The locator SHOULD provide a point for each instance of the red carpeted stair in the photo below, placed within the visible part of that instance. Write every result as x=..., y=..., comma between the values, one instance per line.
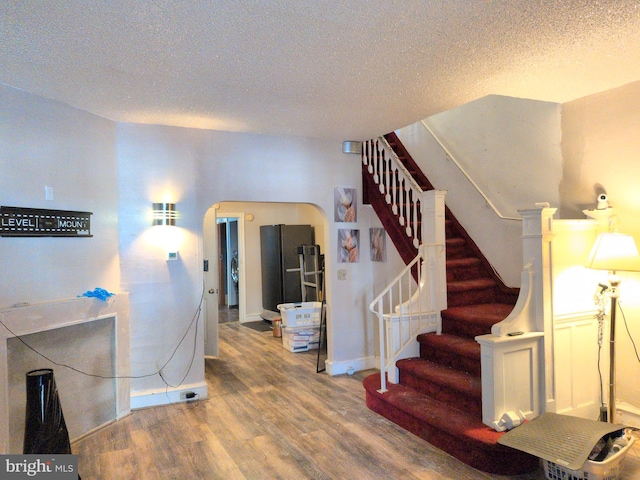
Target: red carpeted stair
x=439, y=395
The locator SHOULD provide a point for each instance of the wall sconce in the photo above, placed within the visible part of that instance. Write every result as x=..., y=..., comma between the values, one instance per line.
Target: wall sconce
x=615, y=252
x=352, y=147
x=164, y=214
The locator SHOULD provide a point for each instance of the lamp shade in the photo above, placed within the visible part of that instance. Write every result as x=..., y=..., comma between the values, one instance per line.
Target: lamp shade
x=614, y=252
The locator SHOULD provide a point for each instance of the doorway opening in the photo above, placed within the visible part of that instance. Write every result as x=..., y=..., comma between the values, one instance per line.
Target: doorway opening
x=239, y=223
x=228, y=269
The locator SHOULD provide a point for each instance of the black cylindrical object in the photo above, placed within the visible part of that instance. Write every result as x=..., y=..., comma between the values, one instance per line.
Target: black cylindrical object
x=44, y=430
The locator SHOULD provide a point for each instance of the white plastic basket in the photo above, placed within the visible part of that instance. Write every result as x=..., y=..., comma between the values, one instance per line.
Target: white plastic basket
x=300, y=339
x=303, y=314
x=609, y=469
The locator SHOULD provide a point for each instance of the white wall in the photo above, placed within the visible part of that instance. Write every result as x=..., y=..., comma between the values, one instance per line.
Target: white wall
x=44, y=143
x=601, y=151
x=197, y=169
x=510, y=147
x=158, y=164
x=261, y=168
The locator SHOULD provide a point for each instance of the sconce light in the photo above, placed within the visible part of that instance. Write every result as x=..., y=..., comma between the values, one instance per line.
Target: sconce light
x=164, y=214
x=615, y=252
x=352, y=147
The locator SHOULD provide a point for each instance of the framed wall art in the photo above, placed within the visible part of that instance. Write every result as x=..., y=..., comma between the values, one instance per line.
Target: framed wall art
x=378, y=244
x=345, y=204
x=348, y=245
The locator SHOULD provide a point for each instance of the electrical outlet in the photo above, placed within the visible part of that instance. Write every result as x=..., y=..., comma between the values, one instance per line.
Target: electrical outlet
x=188, y=396
x=342, y=274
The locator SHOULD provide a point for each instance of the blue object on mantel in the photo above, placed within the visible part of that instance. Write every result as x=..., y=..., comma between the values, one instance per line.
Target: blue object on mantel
x=97, y=292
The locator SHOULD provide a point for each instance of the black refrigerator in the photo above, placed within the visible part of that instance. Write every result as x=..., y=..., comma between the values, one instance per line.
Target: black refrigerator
x=279, y=252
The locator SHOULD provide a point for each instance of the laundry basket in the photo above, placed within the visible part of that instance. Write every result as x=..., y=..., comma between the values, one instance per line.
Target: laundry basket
x=302, y=314
x=609, y=469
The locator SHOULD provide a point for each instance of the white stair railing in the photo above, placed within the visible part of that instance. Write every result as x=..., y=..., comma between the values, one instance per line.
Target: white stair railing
x=407, y=308
x=396, y=184
x=412, y=302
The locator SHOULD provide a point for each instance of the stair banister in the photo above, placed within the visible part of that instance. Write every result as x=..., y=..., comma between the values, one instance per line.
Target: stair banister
x=451, y=157
x=404, y=312
x=396, y=184
x=517, y=357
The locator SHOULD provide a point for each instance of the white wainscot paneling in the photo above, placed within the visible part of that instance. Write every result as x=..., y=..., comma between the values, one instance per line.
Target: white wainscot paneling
x=576, y=365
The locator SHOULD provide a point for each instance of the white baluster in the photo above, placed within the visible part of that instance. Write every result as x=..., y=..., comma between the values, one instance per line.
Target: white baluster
x=402, y=200
x=394, y=192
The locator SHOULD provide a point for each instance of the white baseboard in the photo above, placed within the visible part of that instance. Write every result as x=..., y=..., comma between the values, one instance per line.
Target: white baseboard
x=350, y=366
x=154, y=398
x=251, y=317
x=627, y=415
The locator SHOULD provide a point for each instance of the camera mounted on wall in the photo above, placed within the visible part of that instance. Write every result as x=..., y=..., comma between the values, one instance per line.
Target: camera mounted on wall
x=603, y=212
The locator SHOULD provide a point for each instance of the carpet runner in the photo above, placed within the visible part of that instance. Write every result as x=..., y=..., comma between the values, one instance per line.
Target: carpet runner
x=439, y=396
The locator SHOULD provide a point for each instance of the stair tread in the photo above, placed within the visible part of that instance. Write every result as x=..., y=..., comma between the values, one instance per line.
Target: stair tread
x=455, y=241
x=473, y=284
x=430, y=410
x=485, y=313
x=463, y=346
x=463, y=262
x=458, y=380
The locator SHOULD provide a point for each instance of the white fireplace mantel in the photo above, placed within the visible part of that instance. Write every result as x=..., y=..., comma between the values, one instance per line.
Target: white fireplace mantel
x=42, y=317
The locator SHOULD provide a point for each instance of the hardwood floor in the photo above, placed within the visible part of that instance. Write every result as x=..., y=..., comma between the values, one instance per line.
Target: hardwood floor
x=269, y=415
x=227, y=314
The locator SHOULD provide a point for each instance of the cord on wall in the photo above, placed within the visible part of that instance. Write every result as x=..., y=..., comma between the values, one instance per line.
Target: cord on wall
x=159, y=372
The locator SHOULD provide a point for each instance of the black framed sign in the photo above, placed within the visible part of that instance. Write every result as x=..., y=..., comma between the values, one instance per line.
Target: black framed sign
x=39, y=222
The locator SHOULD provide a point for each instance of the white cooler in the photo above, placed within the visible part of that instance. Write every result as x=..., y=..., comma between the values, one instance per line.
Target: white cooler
x=300, y=339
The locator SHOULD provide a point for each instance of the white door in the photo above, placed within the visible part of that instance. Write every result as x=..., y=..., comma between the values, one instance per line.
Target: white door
x=212, y=278
x=211, y=283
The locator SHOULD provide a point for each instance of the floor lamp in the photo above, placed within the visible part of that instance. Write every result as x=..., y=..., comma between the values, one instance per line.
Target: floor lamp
x=615, y=252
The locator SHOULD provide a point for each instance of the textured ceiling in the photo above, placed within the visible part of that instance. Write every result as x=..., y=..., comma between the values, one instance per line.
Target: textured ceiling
x=346, y=70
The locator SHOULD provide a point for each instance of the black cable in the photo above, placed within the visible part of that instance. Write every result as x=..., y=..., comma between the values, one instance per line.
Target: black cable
x=196, y=316
x=600, y=375
x=111, y=377
x=626, y=325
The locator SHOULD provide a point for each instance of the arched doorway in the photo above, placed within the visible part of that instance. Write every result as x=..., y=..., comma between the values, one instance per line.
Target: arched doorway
x=250, y=216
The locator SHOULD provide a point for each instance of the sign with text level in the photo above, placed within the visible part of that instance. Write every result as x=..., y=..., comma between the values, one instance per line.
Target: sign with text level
x=38, y=222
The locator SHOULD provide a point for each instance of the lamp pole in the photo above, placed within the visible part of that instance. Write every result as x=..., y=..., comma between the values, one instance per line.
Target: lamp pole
x=614, y=281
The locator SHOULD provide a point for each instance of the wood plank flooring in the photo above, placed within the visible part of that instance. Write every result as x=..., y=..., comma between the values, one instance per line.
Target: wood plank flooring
x=269, y=415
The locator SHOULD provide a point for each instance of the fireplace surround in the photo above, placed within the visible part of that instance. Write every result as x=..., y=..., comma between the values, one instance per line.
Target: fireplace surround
x=88, y=334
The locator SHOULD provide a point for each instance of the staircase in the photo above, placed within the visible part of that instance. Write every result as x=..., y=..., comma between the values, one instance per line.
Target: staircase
x=438, y=396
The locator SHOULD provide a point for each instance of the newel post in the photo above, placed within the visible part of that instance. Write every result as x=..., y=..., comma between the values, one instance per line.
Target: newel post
x=517, y=357
x=537, y=239
x=433, y=247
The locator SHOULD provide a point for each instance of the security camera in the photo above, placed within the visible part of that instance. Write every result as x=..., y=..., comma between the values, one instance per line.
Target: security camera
x=602, y=202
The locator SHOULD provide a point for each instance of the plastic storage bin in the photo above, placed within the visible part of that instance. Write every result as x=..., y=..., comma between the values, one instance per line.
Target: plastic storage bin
x=609, y=469
x=300, y=339
x=300, y=314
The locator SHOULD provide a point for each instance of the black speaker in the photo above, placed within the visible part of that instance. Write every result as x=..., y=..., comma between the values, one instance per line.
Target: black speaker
x=45, y=430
